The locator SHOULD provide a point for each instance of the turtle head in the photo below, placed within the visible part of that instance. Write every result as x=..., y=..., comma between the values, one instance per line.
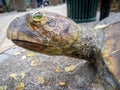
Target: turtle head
x=43, y=32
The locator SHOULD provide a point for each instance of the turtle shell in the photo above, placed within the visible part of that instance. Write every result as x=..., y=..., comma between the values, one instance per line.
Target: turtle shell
x=111, y=49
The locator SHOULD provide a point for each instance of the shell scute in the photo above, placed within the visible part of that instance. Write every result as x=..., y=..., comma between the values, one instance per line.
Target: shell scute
x=111, y=49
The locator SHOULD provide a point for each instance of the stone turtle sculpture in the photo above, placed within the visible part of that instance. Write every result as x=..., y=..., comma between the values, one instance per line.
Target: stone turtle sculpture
x=53, y=34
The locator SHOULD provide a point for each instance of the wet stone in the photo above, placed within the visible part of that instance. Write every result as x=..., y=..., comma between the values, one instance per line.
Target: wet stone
x=3, y=57
x=46, y=67
x=12, y=51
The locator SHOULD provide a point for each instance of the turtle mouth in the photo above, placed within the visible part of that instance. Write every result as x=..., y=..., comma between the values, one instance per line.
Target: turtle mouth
x=29, y=45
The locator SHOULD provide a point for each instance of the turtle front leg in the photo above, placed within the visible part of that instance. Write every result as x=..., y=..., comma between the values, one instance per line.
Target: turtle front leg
x=104, y=77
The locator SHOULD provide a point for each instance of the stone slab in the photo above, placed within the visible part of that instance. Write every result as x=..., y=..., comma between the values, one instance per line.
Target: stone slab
x=3, y=57
x=12, y=51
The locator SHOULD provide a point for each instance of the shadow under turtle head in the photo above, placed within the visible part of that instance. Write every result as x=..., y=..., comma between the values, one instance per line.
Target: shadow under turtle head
x=43, y=32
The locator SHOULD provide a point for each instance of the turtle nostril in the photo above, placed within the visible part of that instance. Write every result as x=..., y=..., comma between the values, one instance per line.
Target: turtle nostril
x=17, y=17
x=51, y=23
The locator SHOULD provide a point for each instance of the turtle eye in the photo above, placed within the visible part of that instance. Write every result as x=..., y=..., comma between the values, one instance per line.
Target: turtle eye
x=37, y=16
